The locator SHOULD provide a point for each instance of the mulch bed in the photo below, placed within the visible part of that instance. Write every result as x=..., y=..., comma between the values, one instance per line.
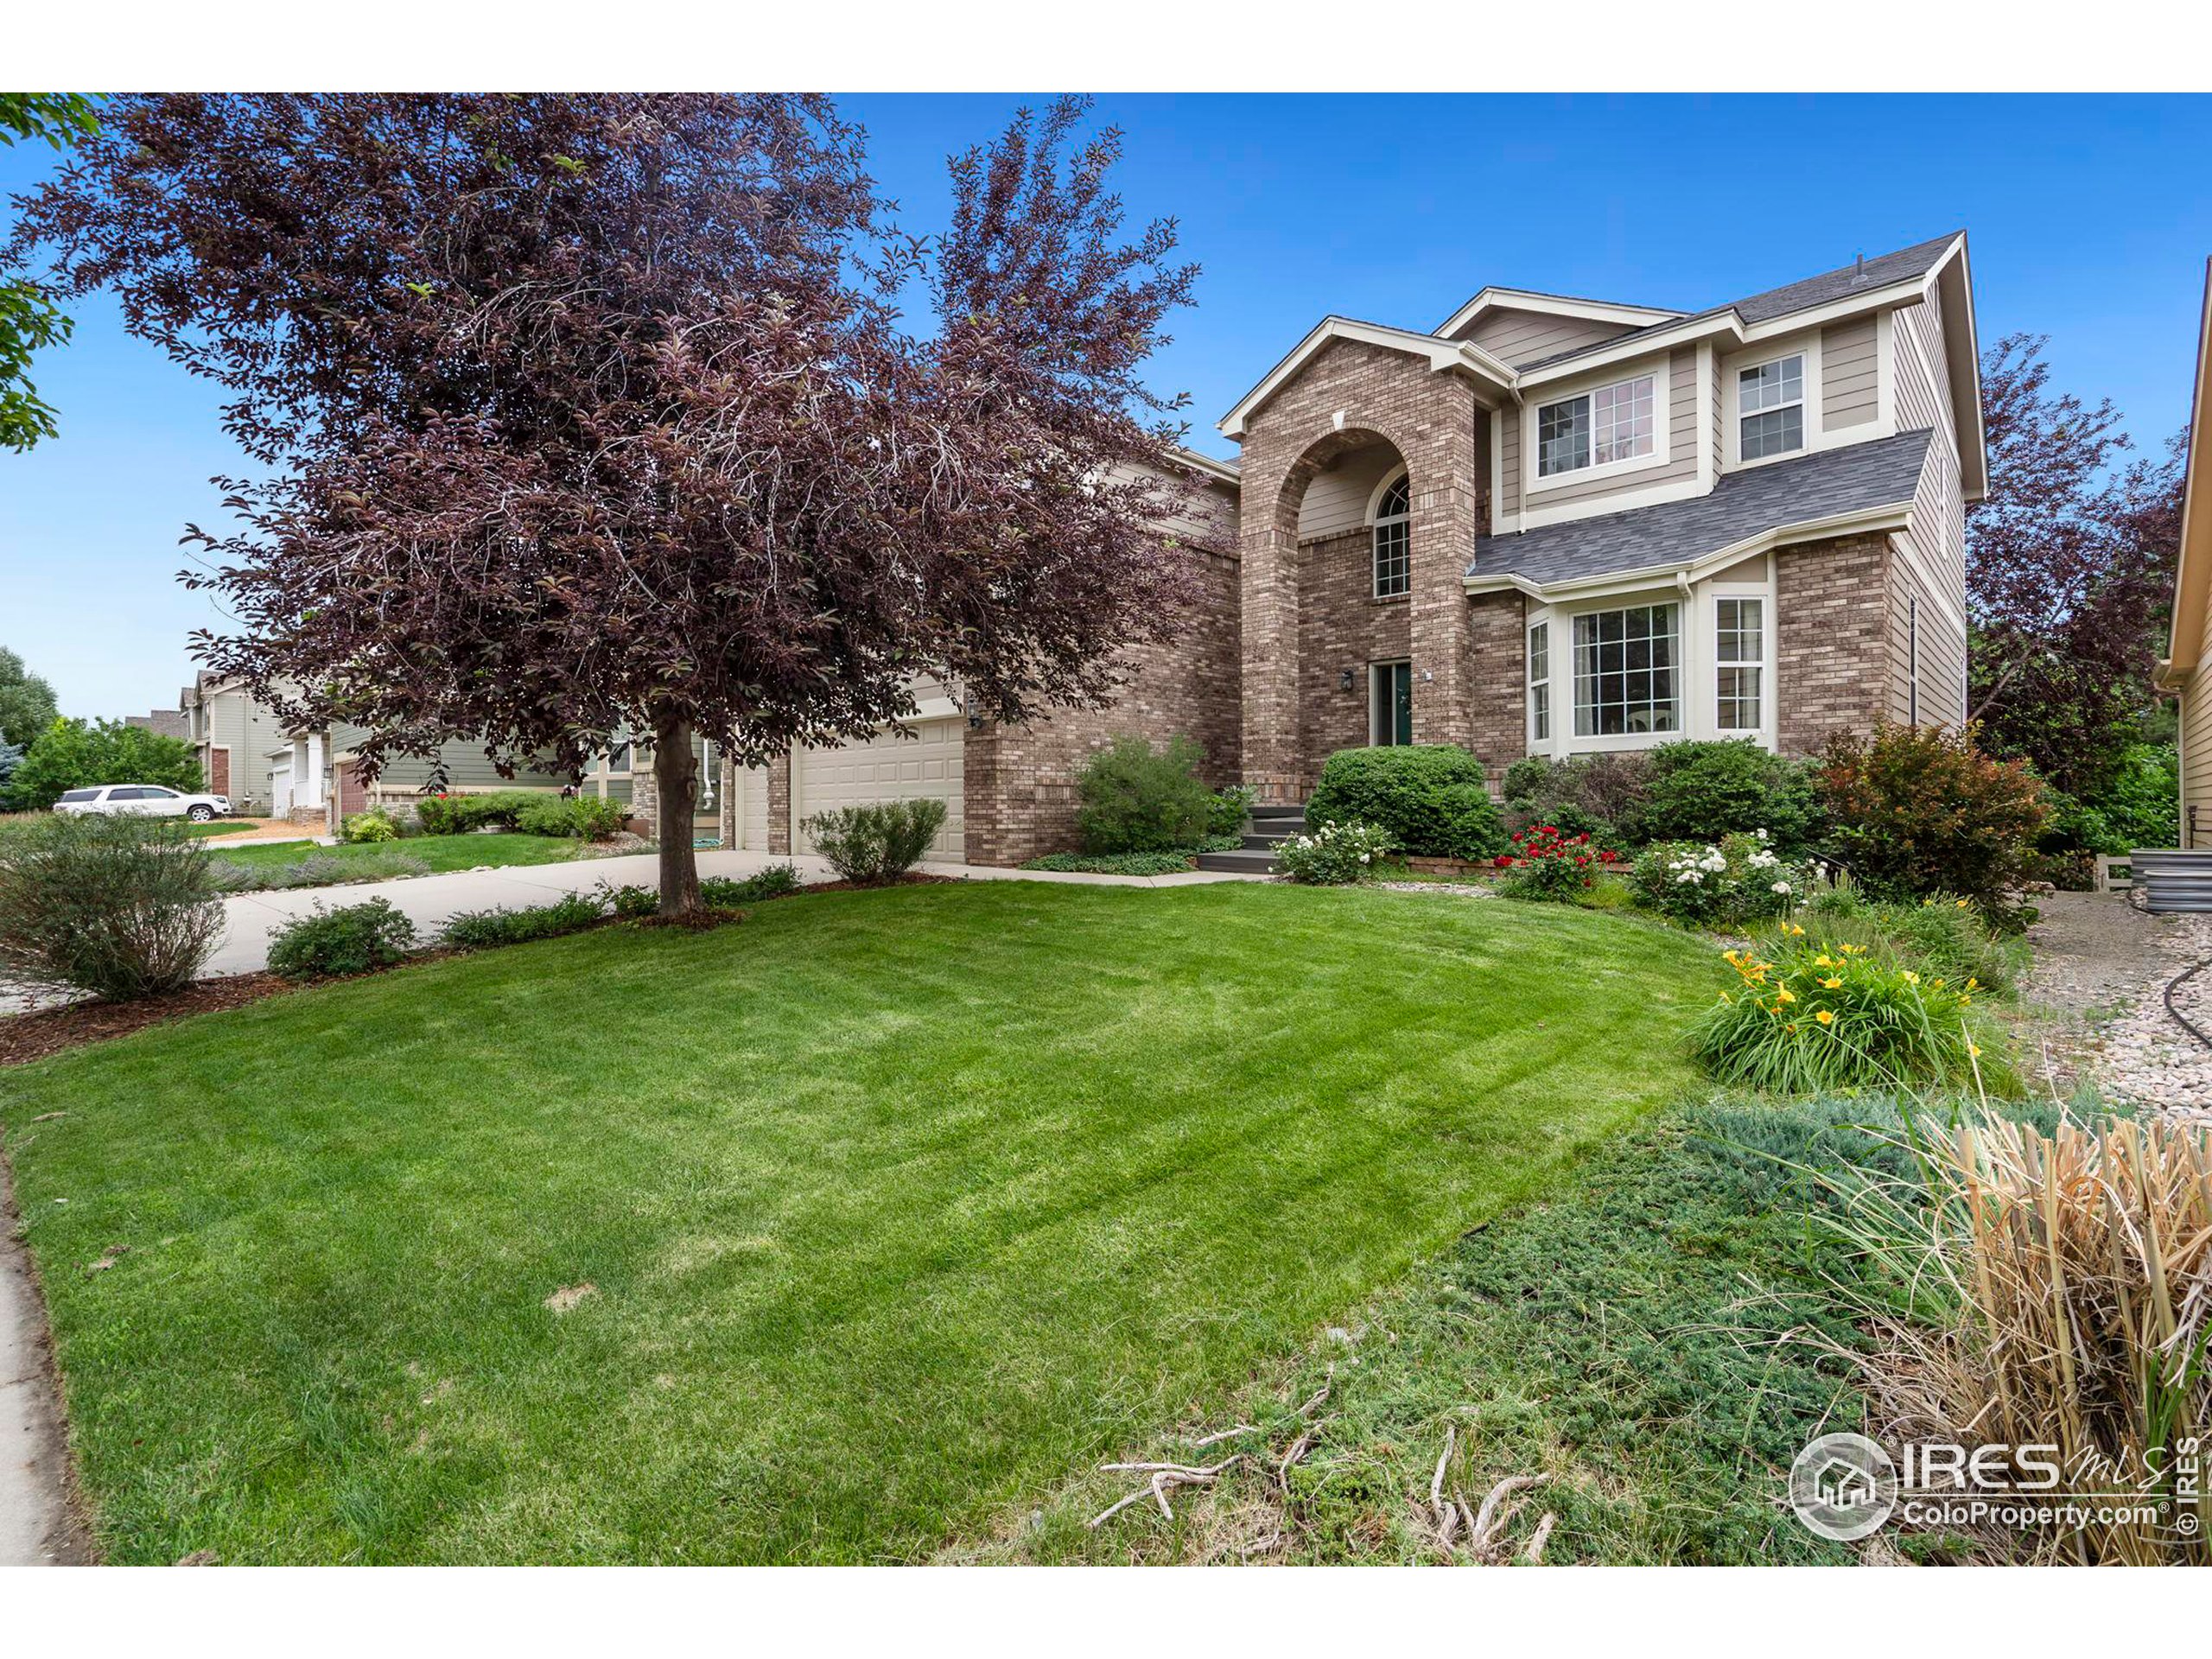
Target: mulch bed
x=27, y=1037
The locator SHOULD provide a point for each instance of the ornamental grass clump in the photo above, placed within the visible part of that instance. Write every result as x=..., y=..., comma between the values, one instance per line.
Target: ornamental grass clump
x=1727, y=883
x=1810, y=1019
x=1336, y=854
x=1547, y=864
x=2026, y=1288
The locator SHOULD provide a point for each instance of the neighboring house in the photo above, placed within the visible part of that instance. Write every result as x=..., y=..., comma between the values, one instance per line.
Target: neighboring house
x=2184, y=671
x=163, y=722
x=1553, y=525
x=234, y=736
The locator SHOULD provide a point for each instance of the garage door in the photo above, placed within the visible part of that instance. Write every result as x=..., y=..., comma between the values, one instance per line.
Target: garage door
x=887, y=768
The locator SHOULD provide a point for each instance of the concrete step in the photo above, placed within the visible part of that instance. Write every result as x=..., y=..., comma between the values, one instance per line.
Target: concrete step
x=1293, y=809
x=1269, y=834
x=1246, y=862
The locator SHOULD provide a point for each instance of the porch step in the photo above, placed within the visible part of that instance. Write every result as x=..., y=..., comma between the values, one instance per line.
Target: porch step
x=1245, y=863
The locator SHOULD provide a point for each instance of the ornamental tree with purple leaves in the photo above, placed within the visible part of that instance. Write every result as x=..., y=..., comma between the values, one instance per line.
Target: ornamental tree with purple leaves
x=584, y=415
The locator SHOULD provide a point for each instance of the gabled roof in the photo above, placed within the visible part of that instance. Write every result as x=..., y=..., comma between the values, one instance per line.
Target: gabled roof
x=1858, y=486
x=1439, y=354
x=1558, y=305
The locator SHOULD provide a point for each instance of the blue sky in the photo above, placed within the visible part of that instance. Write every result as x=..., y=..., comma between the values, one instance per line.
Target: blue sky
x=2089, y=216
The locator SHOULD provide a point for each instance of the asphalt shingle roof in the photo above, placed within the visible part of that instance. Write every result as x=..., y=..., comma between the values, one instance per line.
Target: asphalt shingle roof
x=1857, y=478
x=1838, y=284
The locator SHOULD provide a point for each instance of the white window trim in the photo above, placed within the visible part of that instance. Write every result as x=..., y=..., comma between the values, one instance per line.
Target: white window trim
x=1375, y=521
x=1807, y=405
x=1763, y=662
x=1699, y=681
x=1537, y=743
x=1659, y=372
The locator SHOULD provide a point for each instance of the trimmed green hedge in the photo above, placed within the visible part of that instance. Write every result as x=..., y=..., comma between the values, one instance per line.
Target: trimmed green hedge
x=1429, y=798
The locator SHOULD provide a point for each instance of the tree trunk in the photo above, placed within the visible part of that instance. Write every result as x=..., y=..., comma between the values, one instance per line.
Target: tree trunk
x=676, y=789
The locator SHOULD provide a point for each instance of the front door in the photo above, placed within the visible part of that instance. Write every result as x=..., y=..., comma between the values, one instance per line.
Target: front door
x=1391, y=719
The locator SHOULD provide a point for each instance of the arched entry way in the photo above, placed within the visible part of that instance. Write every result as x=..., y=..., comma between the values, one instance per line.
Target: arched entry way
x=1332, y=666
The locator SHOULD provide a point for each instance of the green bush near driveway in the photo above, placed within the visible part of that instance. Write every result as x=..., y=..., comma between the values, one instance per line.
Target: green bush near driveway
x=1429, y=798
x=893, y=1204
x=1134, y=798
x=121, y=907
x=878, y=842
x=350, y=939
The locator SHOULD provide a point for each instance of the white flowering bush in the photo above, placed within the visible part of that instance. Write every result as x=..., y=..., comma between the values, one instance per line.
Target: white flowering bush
x=1335, y=855
x=1737, y=879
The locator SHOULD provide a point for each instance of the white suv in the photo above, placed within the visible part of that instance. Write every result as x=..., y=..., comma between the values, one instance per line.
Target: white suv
x=144, y=800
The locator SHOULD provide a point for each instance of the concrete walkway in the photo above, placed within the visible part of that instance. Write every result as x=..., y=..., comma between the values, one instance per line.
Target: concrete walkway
x=430, y=901
x=36, y=1528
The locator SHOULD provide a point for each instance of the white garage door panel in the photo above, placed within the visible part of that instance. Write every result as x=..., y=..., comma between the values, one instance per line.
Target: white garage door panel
x=889, y=768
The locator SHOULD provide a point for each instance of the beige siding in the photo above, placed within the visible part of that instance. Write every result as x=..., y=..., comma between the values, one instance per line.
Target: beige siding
x=1923, y=389
x=1678, y=385
x=466, y=767
x=2196, y=745
x=1930, y=567
x=249, y=730
x=1515, y=338
x=1336, y=502
x=1850, y=374
x=1509, y=451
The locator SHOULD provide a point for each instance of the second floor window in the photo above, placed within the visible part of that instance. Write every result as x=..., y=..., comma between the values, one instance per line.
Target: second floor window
x=1611, y=424
x=1394, y=542
x=1771, y=407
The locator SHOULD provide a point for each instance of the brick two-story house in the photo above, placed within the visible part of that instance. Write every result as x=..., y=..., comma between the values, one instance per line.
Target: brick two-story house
x=1551, y=526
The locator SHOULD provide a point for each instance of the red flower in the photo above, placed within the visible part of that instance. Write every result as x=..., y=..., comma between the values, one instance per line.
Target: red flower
x=1502, y=861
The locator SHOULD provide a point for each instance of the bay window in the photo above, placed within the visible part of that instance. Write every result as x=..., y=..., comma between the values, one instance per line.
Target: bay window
x=1627, y=671
x=1539, y=683
x=1739, y=663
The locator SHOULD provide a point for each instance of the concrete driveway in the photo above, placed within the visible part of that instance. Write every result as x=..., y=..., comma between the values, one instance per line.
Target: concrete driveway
x=430, y=900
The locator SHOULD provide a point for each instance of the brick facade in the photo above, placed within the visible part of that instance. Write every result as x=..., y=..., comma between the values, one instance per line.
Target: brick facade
x=1352, y=397
x=1019, y=783
x=1831, y=639
x=1497, y=645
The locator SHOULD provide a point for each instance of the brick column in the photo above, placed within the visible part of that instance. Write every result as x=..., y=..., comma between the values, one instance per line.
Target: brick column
x=1447, y=496
x=780, y=804
x=1831, y=639
x=1268, y=581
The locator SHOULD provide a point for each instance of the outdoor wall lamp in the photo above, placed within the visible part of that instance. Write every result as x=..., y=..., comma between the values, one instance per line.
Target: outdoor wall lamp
x=1344, y=681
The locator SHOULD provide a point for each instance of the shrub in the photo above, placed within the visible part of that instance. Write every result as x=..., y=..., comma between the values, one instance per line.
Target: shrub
x=1138, y=799
x=1231, y=807
x=1701, y=792
x=1599, y=793
x=458, y=815
x=868, y=845
x=1335, y=855
x=725, y=893
x=1112, y=863
x=77, y=754
x=1814, y=1019
x=580, y=818
x=1738, y=879
x=120, y=907
x=1915, y=810
x=479, y=930
x=1547, y=864
x=1429, y=798
x=350, y=939
x=632, y=904
x=375, y=824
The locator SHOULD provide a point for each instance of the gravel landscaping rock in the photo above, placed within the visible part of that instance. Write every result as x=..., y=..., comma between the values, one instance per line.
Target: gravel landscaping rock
x=2104, y=966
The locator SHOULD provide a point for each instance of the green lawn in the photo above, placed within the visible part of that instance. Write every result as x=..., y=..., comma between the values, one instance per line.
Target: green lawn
x=896, y=1206
x=441, y=853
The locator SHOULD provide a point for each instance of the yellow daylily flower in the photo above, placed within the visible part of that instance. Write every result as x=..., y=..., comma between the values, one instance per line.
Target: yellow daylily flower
x=1831, y=984
x=1785, y=995
x=1825, y=1017
x=1912, y=978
